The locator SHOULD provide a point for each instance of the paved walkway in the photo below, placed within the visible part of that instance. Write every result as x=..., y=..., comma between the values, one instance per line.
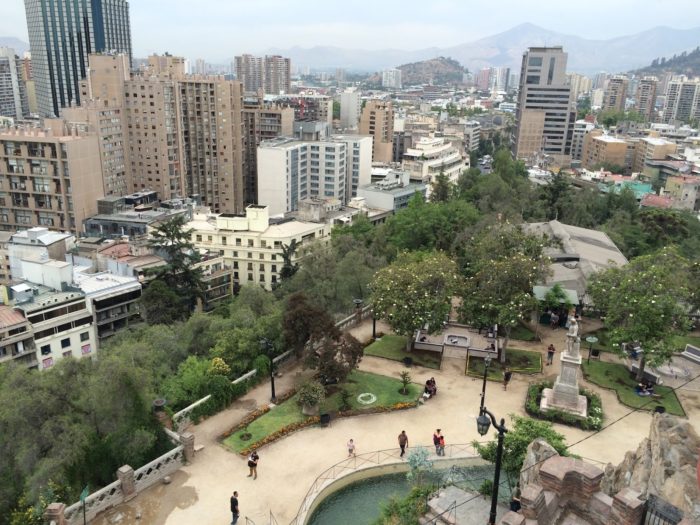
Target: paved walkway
x=199, y=492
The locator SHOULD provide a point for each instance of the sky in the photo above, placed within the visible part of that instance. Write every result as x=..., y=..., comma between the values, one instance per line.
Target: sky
x=216, y=30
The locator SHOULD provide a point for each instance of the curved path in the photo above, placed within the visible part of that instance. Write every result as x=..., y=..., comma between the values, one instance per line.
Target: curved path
x=199, y=492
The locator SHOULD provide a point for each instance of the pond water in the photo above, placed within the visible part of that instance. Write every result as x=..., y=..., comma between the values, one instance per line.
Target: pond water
x=360, y=503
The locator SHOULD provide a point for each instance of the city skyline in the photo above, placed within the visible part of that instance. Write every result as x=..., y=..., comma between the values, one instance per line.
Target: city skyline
x=223, y=29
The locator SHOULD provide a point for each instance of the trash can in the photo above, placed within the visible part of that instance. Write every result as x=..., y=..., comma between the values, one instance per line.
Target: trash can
x=325, y=420
x=659, y=409
x=408, y=361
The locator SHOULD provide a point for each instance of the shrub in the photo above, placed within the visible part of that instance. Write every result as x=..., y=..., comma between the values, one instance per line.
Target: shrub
x=486, y=487
x=405, y=380
x=311, y=394
x=594, y=420
x=345, y=397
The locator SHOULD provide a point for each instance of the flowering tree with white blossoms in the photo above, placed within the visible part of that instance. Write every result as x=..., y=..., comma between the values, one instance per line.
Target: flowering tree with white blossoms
x=415, y=291
x=648, y=301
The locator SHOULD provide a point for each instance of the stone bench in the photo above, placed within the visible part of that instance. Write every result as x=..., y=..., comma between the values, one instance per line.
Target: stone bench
x=649, y=374
x=691, y=352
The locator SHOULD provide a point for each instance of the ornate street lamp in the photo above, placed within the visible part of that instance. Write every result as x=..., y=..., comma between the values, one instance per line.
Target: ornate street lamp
x=591, y=340
x=269, y=349
x=358, y=309
x=483, y=423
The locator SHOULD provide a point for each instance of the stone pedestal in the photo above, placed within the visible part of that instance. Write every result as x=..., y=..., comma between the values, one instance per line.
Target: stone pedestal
x=564, y=396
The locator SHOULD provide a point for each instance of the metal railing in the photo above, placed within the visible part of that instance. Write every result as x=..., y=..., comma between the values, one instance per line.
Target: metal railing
x=660, y=512
x=369, y=460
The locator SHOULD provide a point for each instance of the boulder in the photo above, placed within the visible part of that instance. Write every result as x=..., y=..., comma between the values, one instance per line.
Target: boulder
x=537, y=452
x=665, y=464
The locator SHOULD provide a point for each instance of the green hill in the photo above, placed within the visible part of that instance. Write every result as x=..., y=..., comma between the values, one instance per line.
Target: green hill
x=438, y=70
x=687, y=63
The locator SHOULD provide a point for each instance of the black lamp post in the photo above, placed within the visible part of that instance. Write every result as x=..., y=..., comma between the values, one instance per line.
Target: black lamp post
x=591, y=340
x=267, y=347
x=374, y=325
x=483, y=423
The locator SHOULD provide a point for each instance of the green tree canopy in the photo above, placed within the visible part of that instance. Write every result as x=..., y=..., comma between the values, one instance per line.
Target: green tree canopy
x=648, y=301
x=414, y=291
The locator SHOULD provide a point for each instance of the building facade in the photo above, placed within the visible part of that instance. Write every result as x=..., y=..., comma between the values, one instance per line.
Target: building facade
x=391, y=78
x=604, y=149
x=350, y=108
x=62, y=34
x=645, y=97
x=11, y=85
x=682, y=101
x=545, y=116
x=432, y=156
x=615, y=94
x=377, y=120
x=271, y=73
x=48, y=177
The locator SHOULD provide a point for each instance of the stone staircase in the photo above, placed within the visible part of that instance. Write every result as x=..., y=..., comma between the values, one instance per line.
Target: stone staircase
x=454, y=506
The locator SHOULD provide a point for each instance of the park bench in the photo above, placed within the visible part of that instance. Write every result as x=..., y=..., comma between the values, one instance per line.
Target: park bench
x=691, y=352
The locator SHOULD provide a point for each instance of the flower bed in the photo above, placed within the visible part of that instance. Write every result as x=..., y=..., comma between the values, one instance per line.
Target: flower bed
x=282, y=432
x=594, y=421
x=255, y=414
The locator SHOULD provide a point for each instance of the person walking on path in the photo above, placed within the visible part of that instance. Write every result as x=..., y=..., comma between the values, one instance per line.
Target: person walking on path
x=550, y=354
x=253, y=464
x=436, y=441
x=403, y=442
x=507, y=374
x=351, y=448
x=234, y=508
x=442, y=446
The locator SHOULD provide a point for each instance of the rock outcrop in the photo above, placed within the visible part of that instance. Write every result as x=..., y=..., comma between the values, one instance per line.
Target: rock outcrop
x=665, y=464
x=537, y=452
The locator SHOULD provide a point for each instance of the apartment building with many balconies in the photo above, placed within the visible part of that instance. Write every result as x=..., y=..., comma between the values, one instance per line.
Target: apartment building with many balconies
x=48, y=177
x=432, y=156
x=377, y=120
x=16, y=338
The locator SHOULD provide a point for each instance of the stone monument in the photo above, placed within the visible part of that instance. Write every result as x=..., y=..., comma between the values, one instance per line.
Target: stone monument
x=564, y=396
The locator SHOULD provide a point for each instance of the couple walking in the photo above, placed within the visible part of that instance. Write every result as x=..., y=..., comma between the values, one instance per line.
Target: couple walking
x=439, y=442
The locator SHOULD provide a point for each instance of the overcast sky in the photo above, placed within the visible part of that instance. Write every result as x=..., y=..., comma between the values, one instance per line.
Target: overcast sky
x=219, y=29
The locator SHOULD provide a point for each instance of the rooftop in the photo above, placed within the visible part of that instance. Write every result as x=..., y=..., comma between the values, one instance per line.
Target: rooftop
x=10, y=317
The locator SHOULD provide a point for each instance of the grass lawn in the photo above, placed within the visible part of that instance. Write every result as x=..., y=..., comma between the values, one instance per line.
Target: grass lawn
x=385, y=388
x=618, y=378
x=519, y=361
x=681, y=340
x=394, y=347
x=522, y=333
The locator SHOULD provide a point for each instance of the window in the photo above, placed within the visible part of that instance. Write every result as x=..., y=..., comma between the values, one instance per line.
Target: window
x=250, y=243
x=263, y=244
x=46, y=350
x=199, y=238
x=85, y=336
x=223, y=241
x=67, y=354
x=262, y=278
x=534, y=61
x=262, y=256
x=65, y=343
x=48, y=362
x=274, y=267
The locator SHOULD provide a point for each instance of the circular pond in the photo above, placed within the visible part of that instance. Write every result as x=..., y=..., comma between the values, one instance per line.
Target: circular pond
x=360, y=503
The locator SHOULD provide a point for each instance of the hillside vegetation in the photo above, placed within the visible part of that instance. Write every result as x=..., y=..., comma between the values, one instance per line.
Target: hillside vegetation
x=438, y=70
x=687, y=63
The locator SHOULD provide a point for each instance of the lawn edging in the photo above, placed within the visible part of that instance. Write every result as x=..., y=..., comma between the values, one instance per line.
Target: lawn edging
x=594, y=420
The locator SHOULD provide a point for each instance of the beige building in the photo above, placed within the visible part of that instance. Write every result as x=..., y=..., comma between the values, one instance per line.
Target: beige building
x=48, y=177
x=685, y=192
x=682, y=100
x=599, y=148
x=615, y=94
x=278, y=72
x=545, y=114
x=16, y=338
x=645, y=97
x=429, y=157
x=212, y=141
x=377, y=120
x=271, y=73
x=251, y=244
x=651, y=148
x=261, y=121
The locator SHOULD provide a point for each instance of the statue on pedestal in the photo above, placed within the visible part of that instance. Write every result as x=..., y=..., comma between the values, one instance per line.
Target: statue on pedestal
x=573, y=341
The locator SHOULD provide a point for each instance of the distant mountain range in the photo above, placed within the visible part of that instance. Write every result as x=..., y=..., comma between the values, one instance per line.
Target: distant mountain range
x=505, y=50
x=684, y=63
x=15, y=43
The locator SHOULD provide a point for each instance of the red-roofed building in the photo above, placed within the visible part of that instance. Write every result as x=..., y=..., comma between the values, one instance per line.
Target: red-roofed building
x=651, y=200
x=16, y=338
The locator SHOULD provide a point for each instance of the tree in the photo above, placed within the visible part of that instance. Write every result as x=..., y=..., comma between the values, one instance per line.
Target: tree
x=501, y=264
x=523, y=431
x=305, y=323
x=334, y=357
x=161, y=304
x=405, y=381
x=647, y=301
x=289, y=267
x=441, y=188
x=415, y=291
x=174, y=243
x=556, y=196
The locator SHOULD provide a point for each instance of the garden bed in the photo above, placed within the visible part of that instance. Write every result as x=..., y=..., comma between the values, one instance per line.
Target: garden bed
x=617, y=377
x=266, y=425
x=394, y=347
x=594, y=421
x=519, y=361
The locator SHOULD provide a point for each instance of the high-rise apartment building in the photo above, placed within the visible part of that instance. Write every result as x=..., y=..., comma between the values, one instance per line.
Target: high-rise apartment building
x=377, y=120
x=261, y=121
x=212, y=141
x=309, y=106
x=62, y=34
x=682, y=100
x=277, y=75
x=483, y=79
x=580, y=85
x=391, y=78
x=645, y=97
x=615, y=93
x=350, y=108
x=11, y=84
x=272, y=73
x=545, y=114
x=499, y=79
x=48, y=177
x=291, y=170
